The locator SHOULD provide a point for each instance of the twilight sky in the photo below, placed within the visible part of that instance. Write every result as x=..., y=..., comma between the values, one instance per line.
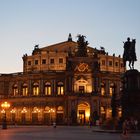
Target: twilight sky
x=25, y=23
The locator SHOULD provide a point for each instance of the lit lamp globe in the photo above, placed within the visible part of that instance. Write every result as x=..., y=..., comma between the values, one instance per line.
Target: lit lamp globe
x=5, y=105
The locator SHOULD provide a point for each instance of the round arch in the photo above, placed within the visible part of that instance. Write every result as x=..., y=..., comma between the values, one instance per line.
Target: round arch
x=83, y=113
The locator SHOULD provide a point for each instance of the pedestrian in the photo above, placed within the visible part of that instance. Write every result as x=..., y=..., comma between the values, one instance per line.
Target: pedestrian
x=136, y=124
x=126, y=129
x=54, y=125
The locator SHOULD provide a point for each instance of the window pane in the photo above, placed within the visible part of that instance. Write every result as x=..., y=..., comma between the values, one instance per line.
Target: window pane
x=35, y=91
x=48, y=90
x=52, y=61
x=36, y=62
x=102, y=91
x=61, y=60
x=25, y=91
x=81, y=89
x=43, y=61
x=29, y=62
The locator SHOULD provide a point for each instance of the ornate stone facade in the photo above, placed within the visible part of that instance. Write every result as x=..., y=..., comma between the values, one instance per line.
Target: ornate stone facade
x=60, y=84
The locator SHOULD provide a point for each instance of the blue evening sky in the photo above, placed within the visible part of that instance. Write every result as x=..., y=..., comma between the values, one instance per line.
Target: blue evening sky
x=25, y=23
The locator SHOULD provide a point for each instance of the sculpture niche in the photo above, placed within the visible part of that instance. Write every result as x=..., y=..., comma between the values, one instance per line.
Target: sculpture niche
x=129, y=53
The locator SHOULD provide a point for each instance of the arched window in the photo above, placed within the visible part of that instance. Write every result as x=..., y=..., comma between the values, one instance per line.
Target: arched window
x=60, y=88
x=47, y=88
x=13, y=115
x=35, y=115
x=23, y=115
x=24, y=89
x=35, y=89
x=111, y=89
x=59, y=115
x=60, y=109
x=15, y=89
x=47, y=108
x=102, y=89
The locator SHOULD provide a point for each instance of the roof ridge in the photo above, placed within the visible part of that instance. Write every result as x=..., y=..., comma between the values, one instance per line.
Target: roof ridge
x=58, y=44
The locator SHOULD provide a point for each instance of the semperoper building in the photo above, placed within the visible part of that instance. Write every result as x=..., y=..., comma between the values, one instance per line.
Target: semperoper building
x=68, y=82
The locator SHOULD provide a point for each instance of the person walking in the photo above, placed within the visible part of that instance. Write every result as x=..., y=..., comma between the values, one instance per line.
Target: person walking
x=126, y=129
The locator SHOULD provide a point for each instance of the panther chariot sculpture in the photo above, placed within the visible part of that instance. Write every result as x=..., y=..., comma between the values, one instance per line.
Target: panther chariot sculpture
x=129, y=52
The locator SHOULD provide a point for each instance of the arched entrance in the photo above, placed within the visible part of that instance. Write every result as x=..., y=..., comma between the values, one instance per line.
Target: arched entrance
x=83, y=113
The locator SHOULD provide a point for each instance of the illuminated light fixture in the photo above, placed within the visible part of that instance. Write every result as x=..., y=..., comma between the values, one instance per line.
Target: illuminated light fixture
x=24, y=110
x=5, y=105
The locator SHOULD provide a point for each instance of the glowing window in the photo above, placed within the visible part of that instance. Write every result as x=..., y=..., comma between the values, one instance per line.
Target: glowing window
x=60, y=88
x=15, y=90
x=47, y=88
x=24, y=89
x=60, y=109
x=111, y=89
x=35, y=89
x=102, y=89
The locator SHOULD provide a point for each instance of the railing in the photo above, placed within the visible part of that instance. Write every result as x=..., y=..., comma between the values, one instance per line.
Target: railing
x=79, y=94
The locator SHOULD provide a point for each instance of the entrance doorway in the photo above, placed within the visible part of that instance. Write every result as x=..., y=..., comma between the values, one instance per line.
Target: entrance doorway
x=83, y=113
x=82, y=116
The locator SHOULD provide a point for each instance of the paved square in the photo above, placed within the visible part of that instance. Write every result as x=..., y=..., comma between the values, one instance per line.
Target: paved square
x=59, y=133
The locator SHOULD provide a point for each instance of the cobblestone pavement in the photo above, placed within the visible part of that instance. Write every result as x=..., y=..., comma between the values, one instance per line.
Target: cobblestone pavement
x=59, y=133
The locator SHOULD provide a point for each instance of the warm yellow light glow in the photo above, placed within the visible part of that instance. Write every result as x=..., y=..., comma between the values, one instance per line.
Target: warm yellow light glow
x=102, y=110
x=36, y=110
x=83, y=112
x=13, y=111
x=24, y=110
x=102, y=91
x=110, y=91
x=5, y=105
x=108, y=113
x=3, y=111
x=51, y=110
x=119, y=112
x=87, y=114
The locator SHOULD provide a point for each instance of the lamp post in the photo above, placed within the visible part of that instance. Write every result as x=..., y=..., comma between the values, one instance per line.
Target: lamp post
x=4, y=105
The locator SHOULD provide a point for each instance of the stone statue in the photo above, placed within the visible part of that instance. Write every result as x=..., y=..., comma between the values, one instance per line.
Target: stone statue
x=129, y=52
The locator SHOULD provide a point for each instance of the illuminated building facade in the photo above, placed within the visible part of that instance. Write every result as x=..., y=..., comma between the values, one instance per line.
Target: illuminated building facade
x=69, y=82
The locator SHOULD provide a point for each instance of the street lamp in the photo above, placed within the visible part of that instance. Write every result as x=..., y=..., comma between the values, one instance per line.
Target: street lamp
x=4, y=105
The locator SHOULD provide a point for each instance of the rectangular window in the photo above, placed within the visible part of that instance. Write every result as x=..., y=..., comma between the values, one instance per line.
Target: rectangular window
x=48, y=90
x=36, y=62
x=103, y=62
x=36, y=91
x=51, y=61
x=25, y=91
x=81, y=89
x=110, y=63
x=102, y=91
x=60, y=60
x=43, y=61
x=15, y=90
x=29, y=63
x=121, y=65
x=60, y=90
x=110, y=91
x=116, y=64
